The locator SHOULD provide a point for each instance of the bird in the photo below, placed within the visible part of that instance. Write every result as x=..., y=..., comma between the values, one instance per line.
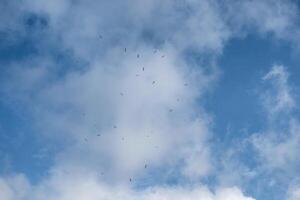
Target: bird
x=100, y=36
x=114, y=126
x=122, y=94
x=98, y=135
x=185, y=84
x=153, y=82
x=154, y=51
x=130, y=179
x=143, y=68
x=170, y=110
x=138, y=55
x=125, y=49
x=145, y=166
x=85, y=139
x=163, y=56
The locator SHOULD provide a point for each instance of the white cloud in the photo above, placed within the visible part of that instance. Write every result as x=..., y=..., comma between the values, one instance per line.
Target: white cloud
x=279, y=149
x=153, y=109
x=279, y=144
x=294, y=193
x=279, y=99
x=14, y=187
x=87, y=187
x=278, y=18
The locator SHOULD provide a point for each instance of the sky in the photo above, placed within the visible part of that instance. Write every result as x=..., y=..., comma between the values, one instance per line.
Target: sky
x=147, y=100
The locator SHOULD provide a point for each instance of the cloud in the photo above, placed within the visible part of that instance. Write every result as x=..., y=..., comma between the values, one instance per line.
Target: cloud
x=14, y=187
x=280, y=99
x=87, y=187
x=294, y=193
x=266, y=17
x=281, y=137
x=140, y=102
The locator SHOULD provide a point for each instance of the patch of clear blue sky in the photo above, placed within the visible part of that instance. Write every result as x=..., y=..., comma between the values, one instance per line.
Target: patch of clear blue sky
x=234, y=102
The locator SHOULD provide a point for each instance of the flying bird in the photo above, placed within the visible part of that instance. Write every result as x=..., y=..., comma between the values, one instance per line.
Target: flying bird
x=153, y=82
x=138, y=55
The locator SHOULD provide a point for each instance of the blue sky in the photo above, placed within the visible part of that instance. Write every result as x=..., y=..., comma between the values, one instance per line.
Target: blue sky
x=202, y=104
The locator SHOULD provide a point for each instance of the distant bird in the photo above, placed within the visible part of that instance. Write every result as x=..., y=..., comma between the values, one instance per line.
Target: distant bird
x=122, y=94
x=98, y=135
x=153, y=82
x=100, y=36
x=85, y=139
x=130, y=179
x=163, y=56
x=143, y=68
x=154, y=51
x=138, y=55
x=170, y=110
x=125, y=49
x=114, y=126
x=185, y=84
x=145, y=166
